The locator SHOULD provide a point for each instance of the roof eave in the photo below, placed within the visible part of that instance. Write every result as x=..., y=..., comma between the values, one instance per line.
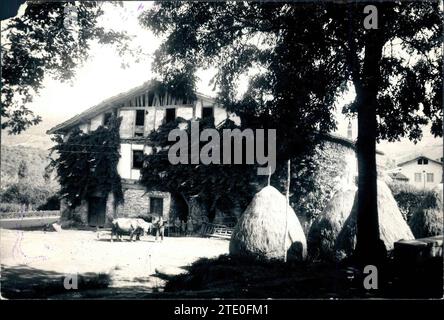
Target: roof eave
x=105, y=105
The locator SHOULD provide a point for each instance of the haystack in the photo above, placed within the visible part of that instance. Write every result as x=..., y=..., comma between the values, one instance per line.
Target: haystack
x=324, y=231
x=261, y=228
x=428, y=220
x=336, y=234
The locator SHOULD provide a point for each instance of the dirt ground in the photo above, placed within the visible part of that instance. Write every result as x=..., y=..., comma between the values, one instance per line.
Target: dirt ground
x=130, y=265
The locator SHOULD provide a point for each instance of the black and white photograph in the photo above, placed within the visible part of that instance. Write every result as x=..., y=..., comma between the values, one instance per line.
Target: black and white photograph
x=202, y=150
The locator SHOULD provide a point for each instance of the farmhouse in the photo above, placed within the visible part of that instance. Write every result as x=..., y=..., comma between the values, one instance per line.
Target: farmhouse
x=142, y=110
x=145, y=108
x=420, y=171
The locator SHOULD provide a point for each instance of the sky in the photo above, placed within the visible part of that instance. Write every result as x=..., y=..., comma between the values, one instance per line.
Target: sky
x=102, y=76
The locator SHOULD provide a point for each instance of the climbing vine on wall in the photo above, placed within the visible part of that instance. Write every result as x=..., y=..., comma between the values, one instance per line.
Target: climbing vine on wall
x=86, y=163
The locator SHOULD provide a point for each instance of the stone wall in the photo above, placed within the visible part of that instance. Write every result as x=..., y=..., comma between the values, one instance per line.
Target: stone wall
x=111, y=210
x=137, y=202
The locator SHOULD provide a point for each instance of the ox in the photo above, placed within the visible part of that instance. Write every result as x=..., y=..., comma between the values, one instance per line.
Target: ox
x=129, y=226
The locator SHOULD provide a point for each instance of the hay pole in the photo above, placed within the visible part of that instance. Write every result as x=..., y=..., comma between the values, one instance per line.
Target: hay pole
x=287, y=196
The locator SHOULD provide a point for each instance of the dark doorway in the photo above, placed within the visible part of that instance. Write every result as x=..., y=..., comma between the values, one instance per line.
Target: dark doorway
x=96, y=211
x=207, y=112
x=156, y=206
x=170, y=115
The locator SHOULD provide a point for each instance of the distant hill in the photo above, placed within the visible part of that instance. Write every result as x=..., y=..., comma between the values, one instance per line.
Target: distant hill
x=34, y=137
x=36, y=161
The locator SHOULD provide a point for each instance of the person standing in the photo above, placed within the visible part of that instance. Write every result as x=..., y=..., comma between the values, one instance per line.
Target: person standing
x=160, y=228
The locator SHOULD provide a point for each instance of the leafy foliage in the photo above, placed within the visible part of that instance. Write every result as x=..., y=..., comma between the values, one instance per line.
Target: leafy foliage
x=223, y=186
x=87, y=163
x=36, y=160
x=216, y=185
x=238, y=37
x=52, y=203
x=37, y=44
x=23, y=193
x=411, y=199
x=22, y=170
x=305, y=55
x=6, y=207
x=315, y=179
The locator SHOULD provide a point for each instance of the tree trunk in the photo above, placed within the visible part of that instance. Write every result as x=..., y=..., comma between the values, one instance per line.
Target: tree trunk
x=368, y=248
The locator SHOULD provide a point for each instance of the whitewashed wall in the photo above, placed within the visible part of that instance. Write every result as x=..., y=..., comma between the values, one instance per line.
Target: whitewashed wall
x=409, y=169
x=97, y=121
x=124, y=167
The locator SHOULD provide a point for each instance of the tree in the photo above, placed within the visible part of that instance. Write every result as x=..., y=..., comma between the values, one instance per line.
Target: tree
x=395, y=94
x=86, y=163
x=22, y=172
x=49, y=39
x=216, y=186
x=306, y=55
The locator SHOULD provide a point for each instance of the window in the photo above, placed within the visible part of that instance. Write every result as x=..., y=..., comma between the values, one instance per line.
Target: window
x=137, y=159
x=207, y=112
x=418, y=177
x=170, y=115
x=156, y=206
x=140, y=117
x=429, y=177
x=425, y=161
x=107, y=118
x=150, y=99
x=420, y=161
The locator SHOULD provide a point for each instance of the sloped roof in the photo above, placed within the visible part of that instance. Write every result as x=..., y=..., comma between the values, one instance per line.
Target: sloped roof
x=398, y=176
x=108, y=104
x=344, y=141
x=415, y=157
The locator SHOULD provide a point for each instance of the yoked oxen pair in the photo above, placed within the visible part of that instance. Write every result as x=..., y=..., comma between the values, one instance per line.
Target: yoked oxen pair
x=130, y=227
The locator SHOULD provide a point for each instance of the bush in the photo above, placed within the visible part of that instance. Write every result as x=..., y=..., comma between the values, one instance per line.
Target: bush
x=20, y=193
x=427, y=220
x=410, y=199
x=52, y=203
x=9, y=207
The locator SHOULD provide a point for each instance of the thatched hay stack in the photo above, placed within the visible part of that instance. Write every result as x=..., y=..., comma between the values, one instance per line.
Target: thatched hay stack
x=324, y=231
x=260, y=230
x=333, y=234
x=428, y=220
x=392, y=226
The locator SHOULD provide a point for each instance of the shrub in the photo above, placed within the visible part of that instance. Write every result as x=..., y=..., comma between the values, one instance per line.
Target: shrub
x=52, y=203
x=427, y=220
x=409, y=198
x=9, y=207
x=20, y=193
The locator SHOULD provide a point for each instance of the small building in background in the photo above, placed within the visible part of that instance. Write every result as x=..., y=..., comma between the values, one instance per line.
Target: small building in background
x=420, y=170
x=398, y=177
